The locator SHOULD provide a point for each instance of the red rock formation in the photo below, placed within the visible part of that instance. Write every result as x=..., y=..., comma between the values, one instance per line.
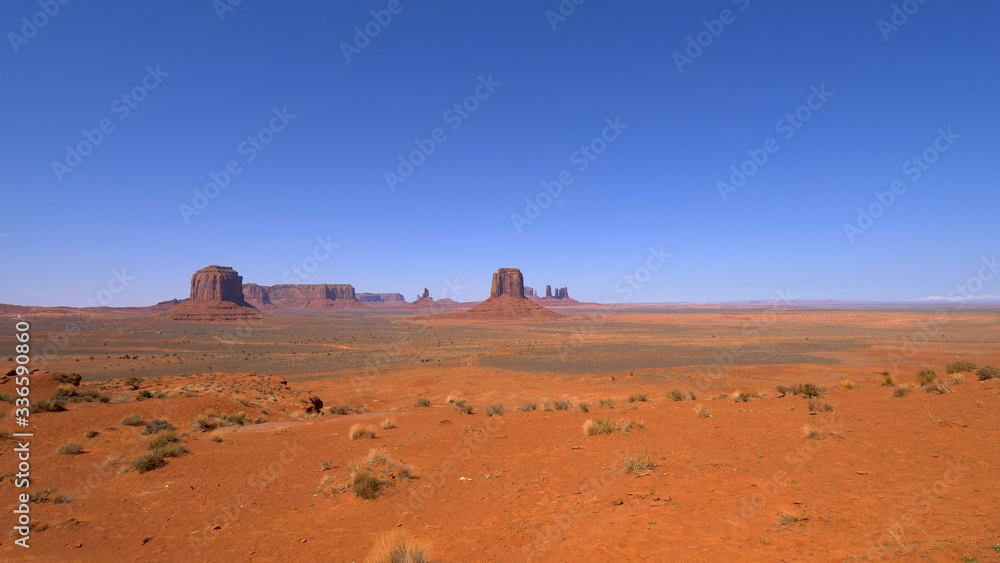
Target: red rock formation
x=216, y=295
x=302, y=296
x=508, y=281
x=561, y=293
x=396, y=298
x=507, y=301
x=217, y=283
x=529, y=291
x=424, y=295
x=548, y=291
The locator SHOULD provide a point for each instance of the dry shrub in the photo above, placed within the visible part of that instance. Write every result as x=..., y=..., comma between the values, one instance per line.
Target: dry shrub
x=987, y=372
x=676, y=395
x=702, y=413
x=71, y=448
x=388, y=424
x=562, y=405
x=888, y=380
x=606, y=403
x=362, y=431
x=939, y=387
x=496, y=409
x=422, y=403
x=638, y=464
x=640, y=398
x=926, y=377
x=847, y=384
x=604, y=426
x=811, y=433
x=133, y=420
x=526, y=407
x=397, y=547
x=961, y=366
x=900, y=392
x=583, y=407
x=156, y=426
x=817, y=407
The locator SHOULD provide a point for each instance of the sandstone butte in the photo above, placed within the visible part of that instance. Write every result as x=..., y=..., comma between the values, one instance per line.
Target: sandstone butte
x=507, y=300
x=216, y=296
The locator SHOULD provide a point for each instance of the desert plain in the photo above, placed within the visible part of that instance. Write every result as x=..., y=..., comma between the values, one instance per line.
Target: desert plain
x=694, y=454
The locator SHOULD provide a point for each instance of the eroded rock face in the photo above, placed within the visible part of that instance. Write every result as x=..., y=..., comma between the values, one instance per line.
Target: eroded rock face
x=561, y=293
x=381, y=297
x=216, y=296
x=310, y=296
x=255, y=294
x=529, y=291
x=508, y=281
x=548, y=291
x=424, y=295
x=217, y=283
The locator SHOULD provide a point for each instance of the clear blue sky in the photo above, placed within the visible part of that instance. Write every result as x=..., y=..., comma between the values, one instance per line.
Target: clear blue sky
x=323, y=174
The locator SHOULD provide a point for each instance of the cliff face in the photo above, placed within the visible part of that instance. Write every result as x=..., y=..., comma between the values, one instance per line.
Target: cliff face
x=302, y=296
x=508, y=281
x=380, y=298
x=217, y=283
x=216, y=296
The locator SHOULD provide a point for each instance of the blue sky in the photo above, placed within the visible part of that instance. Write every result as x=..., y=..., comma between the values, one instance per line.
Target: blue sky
x=207, y=84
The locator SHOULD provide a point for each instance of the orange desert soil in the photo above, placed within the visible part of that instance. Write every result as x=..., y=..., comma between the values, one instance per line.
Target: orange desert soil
x=881, y=478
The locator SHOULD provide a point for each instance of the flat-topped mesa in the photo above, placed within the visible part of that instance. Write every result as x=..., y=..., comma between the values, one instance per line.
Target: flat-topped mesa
x=529, y=291
x=217, y=283
x=216, y=296
x=508, y=281
x=305, y=296
x=380, y=297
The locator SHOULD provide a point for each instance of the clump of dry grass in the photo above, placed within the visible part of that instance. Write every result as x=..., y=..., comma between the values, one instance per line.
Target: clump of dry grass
x=71, y=448
x=702, y=412
x=888, y=380
x=133, y=420
x=526, y=407
x=926, y=377
x=397, y=547
x=376, y=472
x=638, y=463
x=562, y=405
x=452, y=399
x=422, y=403
x=848, y=385
x=987, y=372
x=639, y=398
x=583, y=407
x=957, y=379
x=817, y=407
x=388, y=424
x=361, y=431
x=899, y=392
x=939, y=387
x=811, y=433
x=960, y=366
x=603, y=426
x=495, y=409
x=676, y=395
x=606, y=403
